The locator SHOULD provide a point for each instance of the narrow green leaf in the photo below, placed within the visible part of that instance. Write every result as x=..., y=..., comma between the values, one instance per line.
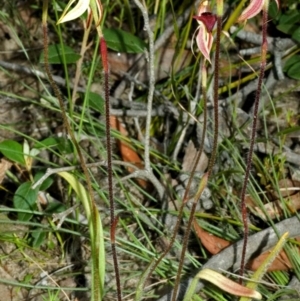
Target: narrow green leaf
x=56, y=53
x=191, y=289
x=95, y=227
x=144, y=277
x=202, y=185
x=290, y=130
x=123, y=41
x=63, y=144
x=25, y=198
x=13, y=151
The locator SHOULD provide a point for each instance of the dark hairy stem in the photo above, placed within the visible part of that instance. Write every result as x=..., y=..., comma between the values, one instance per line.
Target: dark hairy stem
x=185, y=198
x=113, y=218
x=210, y=166
x=252, y=138
x=216, y=96
x=211, y=161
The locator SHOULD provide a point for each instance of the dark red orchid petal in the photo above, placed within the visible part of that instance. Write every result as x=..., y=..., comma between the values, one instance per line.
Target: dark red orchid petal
x=208, y=19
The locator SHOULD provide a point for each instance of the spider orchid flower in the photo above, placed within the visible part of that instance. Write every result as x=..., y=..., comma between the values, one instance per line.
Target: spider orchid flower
x=79, y=9
x=204, y=37
x=254, y=8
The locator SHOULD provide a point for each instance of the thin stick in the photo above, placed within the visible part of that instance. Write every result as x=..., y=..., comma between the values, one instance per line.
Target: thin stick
x=51, y=171
x=151, y=83
x=84, y=47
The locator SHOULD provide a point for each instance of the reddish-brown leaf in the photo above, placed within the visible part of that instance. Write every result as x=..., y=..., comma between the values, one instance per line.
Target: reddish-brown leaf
x=212, y=243
x=281, y=263
x=127, y=152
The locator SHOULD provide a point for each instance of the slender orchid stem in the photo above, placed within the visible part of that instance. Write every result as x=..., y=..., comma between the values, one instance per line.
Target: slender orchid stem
x=216, y=96
x=186, y=193
x=253, y=134
x=212, y=159
x=185, y=198
x=113, y=218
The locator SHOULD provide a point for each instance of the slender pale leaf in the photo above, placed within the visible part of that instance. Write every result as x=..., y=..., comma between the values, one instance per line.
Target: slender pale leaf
x=227, y=285
x=144, y=277
x=191, y=289
x=95, y=227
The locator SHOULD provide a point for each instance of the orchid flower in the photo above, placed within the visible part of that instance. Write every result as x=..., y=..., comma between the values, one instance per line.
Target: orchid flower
x=206, y=21
x=79, y=9
x=254, y=8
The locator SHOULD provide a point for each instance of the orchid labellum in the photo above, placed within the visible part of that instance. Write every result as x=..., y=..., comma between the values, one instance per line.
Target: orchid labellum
x=204, y=37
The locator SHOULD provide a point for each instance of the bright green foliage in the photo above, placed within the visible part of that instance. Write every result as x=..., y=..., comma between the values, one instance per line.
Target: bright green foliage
x=25, y=199
x=122, y=41
x=13, y=151
x=60, y=55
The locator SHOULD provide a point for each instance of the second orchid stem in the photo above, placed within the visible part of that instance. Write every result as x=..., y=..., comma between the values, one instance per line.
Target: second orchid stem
x=253, y=134
x=113, y=218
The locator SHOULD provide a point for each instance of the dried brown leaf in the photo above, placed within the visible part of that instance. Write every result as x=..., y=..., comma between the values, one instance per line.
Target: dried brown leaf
x=212, y=243
x=4, y=166
x=127, y=152
x=281, y=263
x=228, y=285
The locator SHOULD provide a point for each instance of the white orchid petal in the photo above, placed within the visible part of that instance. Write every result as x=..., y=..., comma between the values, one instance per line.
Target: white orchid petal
x=80, y=8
